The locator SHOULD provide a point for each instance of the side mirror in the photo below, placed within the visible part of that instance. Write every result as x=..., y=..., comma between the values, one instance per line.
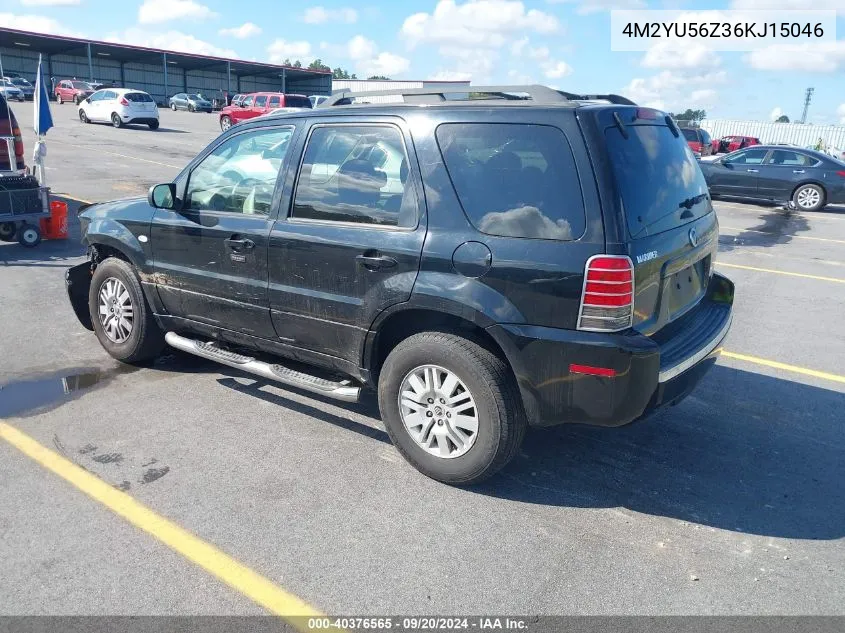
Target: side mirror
x=162, y=196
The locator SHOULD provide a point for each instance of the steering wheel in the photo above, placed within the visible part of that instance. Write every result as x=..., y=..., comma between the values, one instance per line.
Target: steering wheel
x=246, y=191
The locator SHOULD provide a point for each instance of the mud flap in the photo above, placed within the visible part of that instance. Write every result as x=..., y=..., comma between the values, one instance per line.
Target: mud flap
x=78, y=282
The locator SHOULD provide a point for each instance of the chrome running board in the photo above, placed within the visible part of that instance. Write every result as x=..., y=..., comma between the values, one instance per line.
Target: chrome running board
x=343, y=390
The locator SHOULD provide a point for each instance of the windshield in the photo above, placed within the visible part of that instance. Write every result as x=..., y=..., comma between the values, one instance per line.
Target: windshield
x=656, y=174
x=19, y=81
x=293, y=101
x=80, y=85
x=194, y=97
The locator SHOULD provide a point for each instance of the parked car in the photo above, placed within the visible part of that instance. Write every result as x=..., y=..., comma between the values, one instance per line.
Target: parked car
x=10, y=91
x=190, y=102
x=317, y=100
x=807, y=178
x=260, y=103
x=728, y=144
x=72, y=90
x=698, y=141
x=99, y=85
x=23, y=85
x=522, y=289
x=238, y=99
x=120, y=106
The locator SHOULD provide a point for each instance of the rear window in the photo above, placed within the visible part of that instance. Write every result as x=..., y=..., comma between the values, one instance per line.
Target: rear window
x=293, y=101
x=690, y=135
x=138, y=97
x=515, y=180
x=80, y=85
x=655, y=173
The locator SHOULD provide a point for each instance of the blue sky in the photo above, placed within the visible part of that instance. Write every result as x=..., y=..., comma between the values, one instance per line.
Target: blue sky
x=564, y=43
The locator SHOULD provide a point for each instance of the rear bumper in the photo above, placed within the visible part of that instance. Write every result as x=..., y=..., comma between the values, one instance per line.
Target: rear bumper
x=648, y=372
x=140, y=120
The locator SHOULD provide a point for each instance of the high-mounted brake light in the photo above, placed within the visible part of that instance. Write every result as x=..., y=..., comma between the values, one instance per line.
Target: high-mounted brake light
x=607, y=299
x=647, y=113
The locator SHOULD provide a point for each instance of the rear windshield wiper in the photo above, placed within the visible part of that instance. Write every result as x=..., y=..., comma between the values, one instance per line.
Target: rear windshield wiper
x=689, y=203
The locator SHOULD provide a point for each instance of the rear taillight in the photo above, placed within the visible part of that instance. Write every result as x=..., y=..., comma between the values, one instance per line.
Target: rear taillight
x=607, y=300
x=841, y=173
x=123, y=101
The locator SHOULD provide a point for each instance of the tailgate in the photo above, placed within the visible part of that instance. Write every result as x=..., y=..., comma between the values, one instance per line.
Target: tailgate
x=672, y=228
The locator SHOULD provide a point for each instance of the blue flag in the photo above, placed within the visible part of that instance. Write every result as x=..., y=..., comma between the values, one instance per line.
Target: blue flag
x=42, y=117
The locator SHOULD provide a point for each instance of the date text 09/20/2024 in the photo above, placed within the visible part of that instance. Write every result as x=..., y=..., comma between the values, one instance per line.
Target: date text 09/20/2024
x=419, y=623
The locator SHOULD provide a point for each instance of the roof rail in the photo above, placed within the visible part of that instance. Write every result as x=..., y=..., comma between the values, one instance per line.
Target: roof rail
x=438, y=94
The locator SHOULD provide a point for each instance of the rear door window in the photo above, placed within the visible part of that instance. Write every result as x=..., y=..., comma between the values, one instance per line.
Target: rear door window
x=789, y=158
x=747, y=157
x=275, y=102
x=261, y=101
x=515, y=180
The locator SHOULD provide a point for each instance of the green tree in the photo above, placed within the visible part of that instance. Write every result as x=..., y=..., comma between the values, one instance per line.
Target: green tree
x=318, y=64
x=689, y=115
x=378, y=78
x=340, y=73
x=782, y=119
x=296, y=64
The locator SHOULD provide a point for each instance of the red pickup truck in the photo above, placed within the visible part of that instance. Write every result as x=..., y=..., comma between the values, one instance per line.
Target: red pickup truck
x=72, y=90
x=257, y=104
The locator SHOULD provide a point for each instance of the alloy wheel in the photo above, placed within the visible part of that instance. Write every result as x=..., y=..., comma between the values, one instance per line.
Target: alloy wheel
x=115, y=309
x=808, y=198
x=438, y=411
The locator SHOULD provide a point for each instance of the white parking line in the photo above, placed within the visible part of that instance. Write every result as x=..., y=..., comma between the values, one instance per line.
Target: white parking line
x=800, y=237
x=822, y=215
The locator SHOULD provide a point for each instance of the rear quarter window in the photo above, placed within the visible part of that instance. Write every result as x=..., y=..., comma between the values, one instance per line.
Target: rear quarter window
x=297, y=102
x=515, y=180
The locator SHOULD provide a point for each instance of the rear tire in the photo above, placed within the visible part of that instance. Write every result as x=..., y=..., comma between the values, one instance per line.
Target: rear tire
x=8, y=230
x=116, y=121
x=29, y=235
x=153, y=125
x=59, y=99
x=500, y=420
x=191, y=108
x=809, y=198
x=83, y=117
x=142, y=339
x=173, y=107
x=225, y=123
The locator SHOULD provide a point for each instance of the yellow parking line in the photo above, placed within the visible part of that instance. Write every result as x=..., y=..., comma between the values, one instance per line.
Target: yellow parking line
x=800, y=237
x=238, y=576
x=74, y=198
x=793, y=368
x=781, y=272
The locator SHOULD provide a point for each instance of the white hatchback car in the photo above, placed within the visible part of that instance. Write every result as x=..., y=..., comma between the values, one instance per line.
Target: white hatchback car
x=119, y=106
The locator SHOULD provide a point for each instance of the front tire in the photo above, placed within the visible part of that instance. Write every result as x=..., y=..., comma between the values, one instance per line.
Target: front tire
x=116, y=121
x=809, y=198
x=29, y=235
x=451, y=407
x=83, y=117
x=173, y=107
x=122, y=318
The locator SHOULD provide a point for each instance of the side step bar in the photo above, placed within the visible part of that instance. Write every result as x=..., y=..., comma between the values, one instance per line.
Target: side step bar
x=345, y=390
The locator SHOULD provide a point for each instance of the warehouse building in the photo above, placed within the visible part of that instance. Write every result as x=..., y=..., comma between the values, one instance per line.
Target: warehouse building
x=160, y=73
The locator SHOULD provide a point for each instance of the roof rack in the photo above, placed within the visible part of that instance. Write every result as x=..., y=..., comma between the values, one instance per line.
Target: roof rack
x=439, y=94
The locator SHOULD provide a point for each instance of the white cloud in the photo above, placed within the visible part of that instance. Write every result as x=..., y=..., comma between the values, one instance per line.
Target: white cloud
x=786, y=5
x=281, y=50
x=692, y=56
x=585, y=7
x=840, y=112
x=360, y=47
x=242, y=32
x=321, y=15
x=36, y=24
x=556, y=70
x=50, y=3
x=170, y=41
x=820, y=57
x=776, y=113
x=669, y=90
x=476, y=23
x=386, y=64
x=158, y=11
x=369, y=61
x=542, y=57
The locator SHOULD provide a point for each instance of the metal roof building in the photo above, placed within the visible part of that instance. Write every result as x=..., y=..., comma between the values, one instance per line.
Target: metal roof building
x=159, y=72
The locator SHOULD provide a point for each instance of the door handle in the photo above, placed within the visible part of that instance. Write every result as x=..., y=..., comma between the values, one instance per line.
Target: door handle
x=797, y=171
x=375, y=262
x=238, y=244
x=753, y=171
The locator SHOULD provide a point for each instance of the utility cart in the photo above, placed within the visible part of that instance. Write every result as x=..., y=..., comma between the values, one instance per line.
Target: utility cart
x=23, y=201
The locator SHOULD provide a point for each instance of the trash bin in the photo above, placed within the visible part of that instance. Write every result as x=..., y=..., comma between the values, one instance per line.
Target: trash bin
x=55, y=227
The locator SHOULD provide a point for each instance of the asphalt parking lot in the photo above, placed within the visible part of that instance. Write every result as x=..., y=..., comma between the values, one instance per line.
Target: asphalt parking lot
x=732, y=502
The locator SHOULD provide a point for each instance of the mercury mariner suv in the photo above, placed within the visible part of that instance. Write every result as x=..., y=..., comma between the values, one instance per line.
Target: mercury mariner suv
x=513, y=257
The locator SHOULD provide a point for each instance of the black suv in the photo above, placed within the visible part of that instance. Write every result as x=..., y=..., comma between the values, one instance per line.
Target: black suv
x=521, y=257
